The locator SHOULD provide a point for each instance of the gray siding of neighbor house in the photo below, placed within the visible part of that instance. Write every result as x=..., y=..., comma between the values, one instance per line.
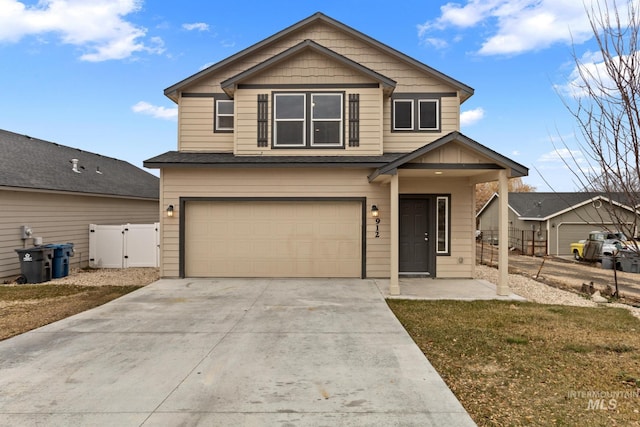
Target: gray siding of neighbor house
x=62, y=218
x=489, y=220
x=575, y=225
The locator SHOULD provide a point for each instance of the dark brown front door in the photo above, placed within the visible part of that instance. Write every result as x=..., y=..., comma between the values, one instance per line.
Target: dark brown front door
x=417, y=237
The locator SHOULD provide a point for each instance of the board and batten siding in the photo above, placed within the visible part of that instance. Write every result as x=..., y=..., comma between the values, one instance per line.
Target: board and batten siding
x=264, y=183
x=62, y=218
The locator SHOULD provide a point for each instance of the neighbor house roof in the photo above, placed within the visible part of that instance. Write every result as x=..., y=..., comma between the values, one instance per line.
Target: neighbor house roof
x=542, y=206
x=465, y=91
x=30, y=163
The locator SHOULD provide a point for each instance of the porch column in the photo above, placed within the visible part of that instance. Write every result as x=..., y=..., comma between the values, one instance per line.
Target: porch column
x=394, y=282
x=503, y=234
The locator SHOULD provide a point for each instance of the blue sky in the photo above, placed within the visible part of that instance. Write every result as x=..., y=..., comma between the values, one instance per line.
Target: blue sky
x=90, y=74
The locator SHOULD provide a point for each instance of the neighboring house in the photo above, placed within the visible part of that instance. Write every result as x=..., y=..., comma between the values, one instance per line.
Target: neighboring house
x=556, y=218
x=288, y=148
x=57, y=191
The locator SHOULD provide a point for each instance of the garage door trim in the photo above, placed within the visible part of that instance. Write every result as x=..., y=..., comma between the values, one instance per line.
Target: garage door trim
x=183, y=219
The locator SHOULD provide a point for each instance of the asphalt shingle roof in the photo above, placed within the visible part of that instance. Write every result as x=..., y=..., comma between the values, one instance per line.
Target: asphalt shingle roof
x=209, y=159
x=32, y=163
x=542, y=205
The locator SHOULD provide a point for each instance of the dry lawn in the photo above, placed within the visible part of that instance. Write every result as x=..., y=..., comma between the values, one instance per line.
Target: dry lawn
x=523, y=364
x=26, y=307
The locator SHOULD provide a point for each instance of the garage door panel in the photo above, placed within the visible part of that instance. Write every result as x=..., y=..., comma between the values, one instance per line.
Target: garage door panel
x=273, y=239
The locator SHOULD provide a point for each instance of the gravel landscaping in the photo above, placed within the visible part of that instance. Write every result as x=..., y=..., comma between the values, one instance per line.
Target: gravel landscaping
x=542, y=293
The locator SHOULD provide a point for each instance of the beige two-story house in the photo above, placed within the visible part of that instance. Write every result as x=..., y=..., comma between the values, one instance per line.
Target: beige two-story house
x=321, y=152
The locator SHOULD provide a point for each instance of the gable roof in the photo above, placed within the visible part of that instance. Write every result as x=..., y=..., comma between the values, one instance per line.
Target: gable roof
x=517, y=170
x=229, y=85
x=31, y=163
x=465, y=91
x=545, y=205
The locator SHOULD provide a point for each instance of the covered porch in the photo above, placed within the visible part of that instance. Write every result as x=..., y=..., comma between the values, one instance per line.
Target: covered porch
x=453, y=160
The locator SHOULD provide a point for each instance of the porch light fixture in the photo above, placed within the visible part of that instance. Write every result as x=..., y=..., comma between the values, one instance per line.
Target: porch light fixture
x=375, y=213
x=170, y=211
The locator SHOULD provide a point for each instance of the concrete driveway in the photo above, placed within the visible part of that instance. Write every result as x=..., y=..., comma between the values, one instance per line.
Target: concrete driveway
x=227, y=352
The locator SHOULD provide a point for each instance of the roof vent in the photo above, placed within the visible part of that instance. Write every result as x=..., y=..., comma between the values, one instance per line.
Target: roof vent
x=98, y=171
x=75, y=165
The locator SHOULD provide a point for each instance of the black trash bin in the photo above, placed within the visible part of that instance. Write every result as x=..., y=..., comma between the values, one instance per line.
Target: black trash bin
x=60, y=262
x=35, y=264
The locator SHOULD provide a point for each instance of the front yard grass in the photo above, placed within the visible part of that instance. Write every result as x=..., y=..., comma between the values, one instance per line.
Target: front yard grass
x=531, y=364
x=27, y=307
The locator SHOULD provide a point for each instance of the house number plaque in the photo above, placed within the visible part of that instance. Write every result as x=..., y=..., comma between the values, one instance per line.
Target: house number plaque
x=377, y=229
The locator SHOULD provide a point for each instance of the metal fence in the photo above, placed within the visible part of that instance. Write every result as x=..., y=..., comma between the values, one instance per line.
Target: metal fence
x=527, y=242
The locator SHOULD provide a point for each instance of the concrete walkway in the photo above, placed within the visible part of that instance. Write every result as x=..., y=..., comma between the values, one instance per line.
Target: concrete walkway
x=445, y=289
x=227, y=352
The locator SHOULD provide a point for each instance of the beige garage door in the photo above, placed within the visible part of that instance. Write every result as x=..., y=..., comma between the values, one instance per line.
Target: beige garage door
x=273, y=239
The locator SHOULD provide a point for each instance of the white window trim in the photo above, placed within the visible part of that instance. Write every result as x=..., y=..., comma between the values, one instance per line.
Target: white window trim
x=412, y=114
x=446, y=225
x=303, y=120
x=437, y=103
x=218, y=114
x=340, y=120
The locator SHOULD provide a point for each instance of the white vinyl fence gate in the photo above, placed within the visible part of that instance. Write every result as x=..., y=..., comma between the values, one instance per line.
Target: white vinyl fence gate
x=124, y=246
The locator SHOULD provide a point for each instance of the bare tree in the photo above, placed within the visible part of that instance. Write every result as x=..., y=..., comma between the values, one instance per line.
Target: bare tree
x=605, y=96
x=485, y=190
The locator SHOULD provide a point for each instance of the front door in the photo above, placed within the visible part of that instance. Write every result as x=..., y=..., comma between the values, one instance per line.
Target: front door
x=417, y=237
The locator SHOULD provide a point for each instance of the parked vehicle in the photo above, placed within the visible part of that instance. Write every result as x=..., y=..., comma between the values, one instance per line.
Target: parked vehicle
x=597, y=245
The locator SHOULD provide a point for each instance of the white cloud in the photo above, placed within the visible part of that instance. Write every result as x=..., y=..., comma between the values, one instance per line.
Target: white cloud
x=515, y=26
x=562, y=155
x=436, y=42
x=470, y=117
x=200, y=26
x=155, y=111
x=593, y=72
x=98, y=26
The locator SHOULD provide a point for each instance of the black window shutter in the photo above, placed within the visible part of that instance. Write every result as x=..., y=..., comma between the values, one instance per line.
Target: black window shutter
x=263, y=120
x=354, y=120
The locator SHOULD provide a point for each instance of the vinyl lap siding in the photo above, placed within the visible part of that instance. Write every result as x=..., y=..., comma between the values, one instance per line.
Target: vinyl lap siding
x=462, y=223
x=370, y=127
x=330, y=183
x=398, y=142
x=60, y=218
x=195, y=127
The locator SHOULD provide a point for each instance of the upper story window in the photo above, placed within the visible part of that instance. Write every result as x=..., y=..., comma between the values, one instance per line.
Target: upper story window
x=403, y=114
x=308, y=120
x=413, y=113
x=224, y=115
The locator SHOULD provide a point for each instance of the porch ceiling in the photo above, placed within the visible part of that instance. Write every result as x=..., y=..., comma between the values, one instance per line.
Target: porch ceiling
x=443, y=173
